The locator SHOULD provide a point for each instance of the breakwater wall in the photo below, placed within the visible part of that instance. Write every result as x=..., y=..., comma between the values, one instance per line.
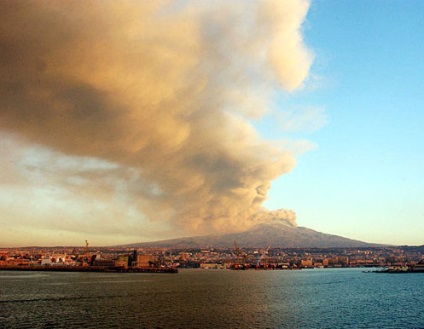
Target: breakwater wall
x=103, y=269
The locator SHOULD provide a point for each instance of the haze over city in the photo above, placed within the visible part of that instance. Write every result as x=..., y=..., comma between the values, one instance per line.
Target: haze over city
x=139, y=121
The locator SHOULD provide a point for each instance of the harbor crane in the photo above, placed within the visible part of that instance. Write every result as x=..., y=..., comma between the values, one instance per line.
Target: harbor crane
x=237, y=250
x=238, y=265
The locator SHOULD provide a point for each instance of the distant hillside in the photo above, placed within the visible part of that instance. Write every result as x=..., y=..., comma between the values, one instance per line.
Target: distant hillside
x=276, y=235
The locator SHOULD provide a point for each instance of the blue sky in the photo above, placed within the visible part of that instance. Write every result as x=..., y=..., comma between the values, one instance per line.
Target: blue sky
x=365, y=178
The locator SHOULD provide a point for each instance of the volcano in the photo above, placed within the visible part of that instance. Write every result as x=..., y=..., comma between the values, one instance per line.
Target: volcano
x=278, y=235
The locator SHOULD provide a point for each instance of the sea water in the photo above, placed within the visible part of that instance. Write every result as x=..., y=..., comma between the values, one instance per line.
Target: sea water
x=321, y=298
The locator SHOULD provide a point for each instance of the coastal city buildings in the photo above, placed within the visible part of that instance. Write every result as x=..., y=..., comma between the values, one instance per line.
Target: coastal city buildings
x=121, y=258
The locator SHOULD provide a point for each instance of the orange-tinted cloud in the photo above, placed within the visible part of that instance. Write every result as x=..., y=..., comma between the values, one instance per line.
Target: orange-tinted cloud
x=164, y=90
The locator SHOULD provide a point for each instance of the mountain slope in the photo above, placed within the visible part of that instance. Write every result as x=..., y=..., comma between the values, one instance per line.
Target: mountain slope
x=275, y=234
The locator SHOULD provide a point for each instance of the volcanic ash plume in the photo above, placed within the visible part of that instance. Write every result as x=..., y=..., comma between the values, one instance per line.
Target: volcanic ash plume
x=163, y=89
x=281, y=216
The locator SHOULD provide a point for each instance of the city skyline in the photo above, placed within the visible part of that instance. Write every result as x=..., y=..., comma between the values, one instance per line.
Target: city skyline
x=145, y=121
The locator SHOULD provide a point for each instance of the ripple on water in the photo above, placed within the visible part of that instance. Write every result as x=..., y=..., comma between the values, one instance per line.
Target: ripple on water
x=212, y=299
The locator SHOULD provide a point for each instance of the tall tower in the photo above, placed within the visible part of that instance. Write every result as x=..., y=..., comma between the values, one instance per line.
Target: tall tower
x=134, y=261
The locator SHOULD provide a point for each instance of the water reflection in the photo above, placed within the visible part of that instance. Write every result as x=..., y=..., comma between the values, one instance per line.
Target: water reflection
x=211, y=299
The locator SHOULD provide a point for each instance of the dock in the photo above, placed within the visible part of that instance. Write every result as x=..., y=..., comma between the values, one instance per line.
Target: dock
x=101, y=269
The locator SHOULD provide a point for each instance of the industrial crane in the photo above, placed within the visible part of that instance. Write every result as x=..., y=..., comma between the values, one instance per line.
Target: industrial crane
x=238, y=265
x=237, y=250
x=264, y=257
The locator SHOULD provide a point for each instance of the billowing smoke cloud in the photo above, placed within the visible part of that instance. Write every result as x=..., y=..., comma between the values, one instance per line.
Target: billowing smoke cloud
x=163, y=91
x=280, y=216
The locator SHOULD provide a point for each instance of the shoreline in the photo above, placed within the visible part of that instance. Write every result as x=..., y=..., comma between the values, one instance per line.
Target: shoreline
x=101, y=269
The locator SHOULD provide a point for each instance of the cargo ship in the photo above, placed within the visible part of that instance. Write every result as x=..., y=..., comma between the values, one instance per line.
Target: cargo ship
x=410, y=268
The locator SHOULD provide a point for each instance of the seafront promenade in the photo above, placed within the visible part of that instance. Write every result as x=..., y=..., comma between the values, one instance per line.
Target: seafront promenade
x=103, y=269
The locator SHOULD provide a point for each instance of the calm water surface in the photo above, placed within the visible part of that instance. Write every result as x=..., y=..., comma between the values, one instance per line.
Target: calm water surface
x=327, y=298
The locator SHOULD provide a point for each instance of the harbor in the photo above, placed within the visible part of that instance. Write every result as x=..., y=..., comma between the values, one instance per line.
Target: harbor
x=418, y=268
x=102, y=269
